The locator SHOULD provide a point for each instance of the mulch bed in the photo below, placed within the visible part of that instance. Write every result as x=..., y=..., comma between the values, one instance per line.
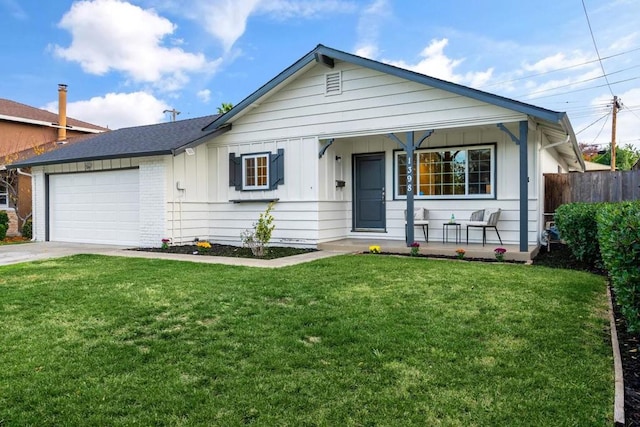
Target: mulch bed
x=560, y=257
x=273, y=252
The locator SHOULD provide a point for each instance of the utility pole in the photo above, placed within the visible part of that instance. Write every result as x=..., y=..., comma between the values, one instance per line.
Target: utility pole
x=173, y=112
x=614, y=119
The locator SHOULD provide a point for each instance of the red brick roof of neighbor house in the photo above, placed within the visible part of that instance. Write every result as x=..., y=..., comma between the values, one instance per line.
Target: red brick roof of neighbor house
x=16, y=109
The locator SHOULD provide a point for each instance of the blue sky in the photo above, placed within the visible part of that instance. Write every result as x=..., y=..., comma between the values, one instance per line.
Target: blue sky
x=125, y=62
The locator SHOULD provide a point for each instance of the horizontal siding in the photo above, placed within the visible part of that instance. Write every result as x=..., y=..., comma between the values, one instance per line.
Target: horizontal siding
x=370, y=101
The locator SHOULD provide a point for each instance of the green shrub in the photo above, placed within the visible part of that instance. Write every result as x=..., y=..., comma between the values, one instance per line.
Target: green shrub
x=3, y=231
x=4, y=218
x=578, y=226
x=619, y=236
x=27, y=229
x=258, y=239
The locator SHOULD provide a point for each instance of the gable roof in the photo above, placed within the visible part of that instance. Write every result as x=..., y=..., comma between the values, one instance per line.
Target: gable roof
x=15, y=111
x=327, y=55
x=138, y=141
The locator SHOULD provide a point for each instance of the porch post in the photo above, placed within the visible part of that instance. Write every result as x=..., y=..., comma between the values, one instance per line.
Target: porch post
x=524, y=186
x=409, y=147
x=522, y=142
x=410, y=226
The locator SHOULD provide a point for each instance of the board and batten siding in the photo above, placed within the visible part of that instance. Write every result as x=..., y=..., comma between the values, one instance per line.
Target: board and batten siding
x=233, y=211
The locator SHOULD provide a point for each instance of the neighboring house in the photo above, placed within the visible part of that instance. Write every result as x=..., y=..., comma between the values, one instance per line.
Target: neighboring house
x=327, y=138
x=24, y=132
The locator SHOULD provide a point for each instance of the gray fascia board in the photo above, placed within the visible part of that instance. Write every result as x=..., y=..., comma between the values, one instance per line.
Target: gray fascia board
x=28, y=164
x=500, y=101
x=219, y=131
x=263, y=90
x=466, y=91
x=566, y=125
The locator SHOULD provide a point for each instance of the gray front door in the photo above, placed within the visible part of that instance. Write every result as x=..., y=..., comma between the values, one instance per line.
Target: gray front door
x=369, y=192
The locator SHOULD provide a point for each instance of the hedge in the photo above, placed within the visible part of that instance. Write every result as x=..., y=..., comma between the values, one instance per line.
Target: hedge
x=578, y=226
x=619, y=238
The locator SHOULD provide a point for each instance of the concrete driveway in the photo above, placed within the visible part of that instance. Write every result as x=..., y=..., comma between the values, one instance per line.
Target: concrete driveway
x=12, y=254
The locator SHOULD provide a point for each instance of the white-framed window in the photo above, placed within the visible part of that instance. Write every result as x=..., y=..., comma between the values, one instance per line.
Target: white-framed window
x=4, y=196
x=255, y=171
x=447, y=173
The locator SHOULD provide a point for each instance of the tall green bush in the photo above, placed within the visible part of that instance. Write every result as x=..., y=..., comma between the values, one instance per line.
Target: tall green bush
x=27, y=229
x=578, y=226
x=4, y=218
x=3, y=231
x=619, y=237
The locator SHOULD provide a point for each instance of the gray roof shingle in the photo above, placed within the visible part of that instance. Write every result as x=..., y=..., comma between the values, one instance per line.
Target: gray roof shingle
x=138, y=141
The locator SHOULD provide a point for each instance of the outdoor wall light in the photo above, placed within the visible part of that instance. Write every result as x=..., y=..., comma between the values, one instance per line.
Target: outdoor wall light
x=338, y=159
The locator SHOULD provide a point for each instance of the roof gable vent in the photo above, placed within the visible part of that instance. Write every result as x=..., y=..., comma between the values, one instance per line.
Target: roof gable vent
x=333, y=83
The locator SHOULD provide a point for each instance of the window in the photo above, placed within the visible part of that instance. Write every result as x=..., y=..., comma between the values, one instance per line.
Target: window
x=4, y=195
x=451, y=173
x=256, y=171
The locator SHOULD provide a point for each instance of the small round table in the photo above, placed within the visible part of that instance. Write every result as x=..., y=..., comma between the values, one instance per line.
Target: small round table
x=445, y=231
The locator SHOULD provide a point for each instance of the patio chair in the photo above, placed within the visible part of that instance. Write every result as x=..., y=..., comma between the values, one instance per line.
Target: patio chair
x=492, y=222
x=420, y=219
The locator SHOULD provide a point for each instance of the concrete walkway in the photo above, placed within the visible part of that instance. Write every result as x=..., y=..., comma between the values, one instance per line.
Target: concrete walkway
x=34, y=251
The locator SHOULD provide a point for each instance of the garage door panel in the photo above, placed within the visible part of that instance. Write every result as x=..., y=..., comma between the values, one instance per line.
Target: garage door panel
x=95, y=207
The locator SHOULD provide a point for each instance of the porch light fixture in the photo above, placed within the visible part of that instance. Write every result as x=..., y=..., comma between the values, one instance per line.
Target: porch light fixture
x=338, y=159
x=190, y=151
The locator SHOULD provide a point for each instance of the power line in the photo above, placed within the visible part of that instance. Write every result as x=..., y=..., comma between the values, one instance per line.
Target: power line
x=568, y=67
x=595, y=45
x=593, y=123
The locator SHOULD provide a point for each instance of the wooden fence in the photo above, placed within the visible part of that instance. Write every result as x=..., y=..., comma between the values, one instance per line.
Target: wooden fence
x=605, y=186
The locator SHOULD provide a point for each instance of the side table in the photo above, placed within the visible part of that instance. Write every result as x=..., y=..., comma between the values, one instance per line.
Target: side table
x=445, y=231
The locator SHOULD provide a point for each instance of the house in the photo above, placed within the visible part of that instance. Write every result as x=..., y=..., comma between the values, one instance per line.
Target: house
x=24, y=132
x=328, y=139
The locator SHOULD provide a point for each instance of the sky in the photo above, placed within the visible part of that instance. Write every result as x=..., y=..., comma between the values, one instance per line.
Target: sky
x=126, y=62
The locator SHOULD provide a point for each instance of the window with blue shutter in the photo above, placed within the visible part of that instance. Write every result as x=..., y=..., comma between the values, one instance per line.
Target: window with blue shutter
x=256, y=171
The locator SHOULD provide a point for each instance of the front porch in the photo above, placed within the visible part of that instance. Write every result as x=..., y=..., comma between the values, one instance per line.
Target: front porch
x=473, y=250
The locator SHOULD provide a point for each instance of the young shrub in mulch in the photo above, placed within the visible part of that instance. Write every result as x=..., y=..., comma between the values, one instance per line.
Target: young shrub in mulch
x=619, y=238
x=578, y=227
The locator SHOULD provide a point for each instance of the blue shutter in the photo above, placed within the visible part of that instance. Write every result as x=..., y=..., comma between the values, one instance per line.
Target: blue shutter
x=235, y=171
x=276, y=169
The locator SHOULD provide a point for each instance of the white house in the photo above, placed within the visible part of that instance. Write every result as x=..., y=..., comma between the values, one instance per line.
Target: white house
x=327, y=138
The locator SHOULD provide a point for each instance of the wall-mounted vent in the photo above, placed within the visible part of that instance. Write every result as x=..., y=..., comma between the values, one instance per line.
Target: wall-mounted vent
x=333, y=83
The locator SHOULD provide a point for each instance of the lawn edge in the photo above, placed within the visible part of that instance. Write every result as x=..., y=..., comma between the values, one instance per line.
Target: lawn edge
x=618, y=401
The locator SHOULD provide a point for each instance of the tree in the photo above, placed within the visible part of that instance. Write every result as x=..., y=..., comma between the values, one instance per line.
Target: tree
x=224, y=107
x=626, y=157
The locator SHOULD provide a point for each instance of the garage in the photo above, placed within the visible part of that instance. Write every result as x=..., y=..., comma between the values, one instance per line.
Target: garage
x=95, y=207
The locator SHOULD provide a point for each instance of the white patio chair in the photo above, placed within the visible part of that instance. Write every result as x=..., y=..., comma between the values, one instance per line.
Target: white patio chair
x=420, y=219
x=492, y=222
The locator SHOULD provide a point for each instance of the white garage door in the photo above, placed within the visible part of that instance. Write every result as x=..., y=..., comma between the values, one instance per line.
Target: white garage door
x=95, y=207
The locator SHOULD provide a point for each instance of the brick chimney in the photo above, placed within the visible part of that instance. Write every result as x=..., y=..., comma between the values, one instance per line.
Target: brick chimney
x=62, y=113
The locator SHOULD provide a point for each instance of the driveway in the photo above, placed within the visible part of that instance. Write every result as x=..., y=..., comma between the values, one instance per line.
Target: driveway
x=12, y=254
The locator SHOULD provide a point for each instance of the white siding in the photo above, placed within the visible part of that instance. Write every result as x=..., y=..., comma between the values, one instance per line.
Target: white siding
x=370, y=102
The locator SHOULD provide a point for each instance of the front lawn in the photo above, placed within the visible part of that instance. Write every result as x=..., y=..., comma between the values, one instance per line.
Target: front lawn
x=352, y=340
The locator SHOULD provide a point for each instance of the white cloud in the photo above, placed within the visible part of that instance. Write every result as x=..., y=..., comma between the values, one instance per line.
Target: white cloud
x=117, y=110
x=14, y=9
x=288, y=9
x=204, y=95
x=227, y=20
x=436, y=63
x=369, y=28
x=116, y=35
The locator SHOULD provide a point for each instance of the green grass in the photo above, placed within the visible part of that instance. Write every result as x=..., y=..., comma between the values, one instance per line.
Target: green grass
x=358, y=340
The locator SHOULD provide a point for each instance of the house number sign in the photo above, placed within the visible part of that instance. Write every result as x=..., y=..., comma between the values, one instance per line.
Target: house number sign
x=409, y=179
